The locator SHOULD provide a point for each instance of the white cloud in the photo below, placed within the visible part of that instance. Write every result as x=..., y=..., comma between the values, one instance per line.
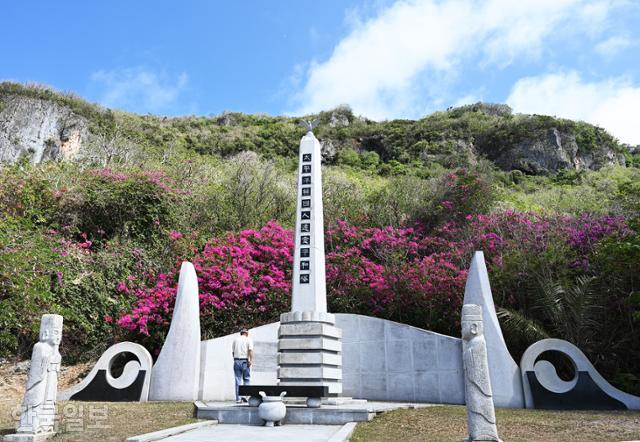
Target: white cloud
x=394, y=64
x=612, y=104
x=467, y=99
x=613, y=45
x=138, y=88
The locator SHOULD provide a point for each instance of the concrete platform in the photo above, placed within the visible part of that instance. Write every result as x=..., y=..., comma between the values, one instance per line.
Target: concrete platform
x=228, y=433
x=243, y=414
x=170, y=432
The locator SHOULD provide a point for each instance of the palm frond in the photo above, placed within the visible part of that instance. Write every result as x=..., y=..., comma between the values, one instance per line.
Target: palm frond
x=582, y=311
x=515, y=324
x=548, y=307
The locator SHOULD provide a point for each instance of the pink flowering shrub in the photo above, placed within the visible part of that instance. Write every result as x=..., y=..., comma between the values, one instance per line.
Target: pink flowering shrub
x=459, y=193
x=243, y=278
x=394, y=273
x=408, y=275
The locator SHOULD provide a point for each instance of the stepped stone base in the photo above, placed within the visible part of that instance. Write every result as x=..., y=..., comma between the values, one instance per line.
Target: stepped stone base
x=340, y=414
x=297, y=415
x=309, y=351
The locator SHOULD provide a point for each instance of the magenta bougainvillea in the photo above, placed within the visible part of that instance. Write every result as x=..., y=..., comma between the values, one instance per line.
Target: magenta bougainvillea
x=248, y=273
x=404, y=274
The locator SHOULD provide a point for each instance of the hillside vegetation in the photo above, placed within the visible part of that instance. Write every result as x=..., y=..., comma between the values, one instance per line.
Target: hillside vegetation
x=458, y=137
x=99, y=239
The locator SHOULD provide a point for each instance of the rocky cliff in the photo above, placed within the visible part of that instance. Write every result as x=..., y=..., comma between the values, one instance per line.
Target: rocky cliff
x=41, y=124
x=39, y=130
x=551, y=149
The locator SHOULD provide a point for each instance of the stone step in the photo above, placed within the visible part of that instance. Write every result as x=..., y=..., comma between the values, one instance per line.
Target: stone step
x=315, y=358
x=318, y=372
x=309, y=329
x=309, y=344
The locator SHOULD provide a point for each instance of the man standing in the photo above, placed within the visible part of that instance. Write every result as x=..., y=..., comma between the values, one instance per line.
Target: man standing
x=242, y=360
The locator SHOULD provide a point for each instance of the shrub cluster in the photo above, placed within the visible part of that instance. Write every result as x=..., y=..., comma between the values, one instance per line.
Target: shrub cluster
x=546, y=279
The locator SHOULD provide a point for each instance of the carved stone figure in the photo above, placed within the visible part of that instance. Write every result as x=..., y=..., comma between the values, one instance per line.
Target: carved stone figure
x=39, y=405
x=477, y=384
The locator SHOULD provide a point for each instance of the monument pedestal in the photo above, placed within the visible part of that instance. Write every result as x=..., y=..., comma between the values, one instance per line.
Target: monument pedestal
x=310, y=351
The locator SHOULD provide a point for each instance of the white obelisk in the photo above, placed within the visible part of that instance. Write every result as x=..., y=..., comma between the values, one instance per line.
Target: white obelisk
x=309, y=345
x=309, y=282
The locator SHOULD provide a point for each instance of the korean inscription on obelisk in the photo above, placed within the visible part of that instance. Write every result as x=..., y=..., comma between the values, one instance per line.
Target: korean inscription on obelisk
x=309, y=286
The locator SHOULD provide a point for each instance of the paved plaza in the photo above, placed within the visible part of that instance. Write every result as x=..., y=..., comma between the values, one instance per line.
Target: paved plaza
x=223, y=433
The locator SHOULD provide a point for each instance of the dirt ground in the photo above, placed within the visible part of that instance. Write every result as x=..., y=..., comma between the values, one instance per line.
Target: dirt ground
x=89, y=421
x=14, y=375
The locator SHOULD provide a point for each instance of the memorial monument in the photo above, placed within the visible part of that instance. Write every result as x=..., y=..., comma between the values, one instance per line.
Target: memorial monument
x=309, y=346
x=39, y=405
x=477, y=383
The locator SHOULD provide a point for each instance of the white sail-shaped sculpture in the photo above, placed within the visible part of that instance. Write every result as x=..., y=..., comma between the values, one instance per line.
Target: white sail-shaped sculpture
x=504, y=372
x=176, y=373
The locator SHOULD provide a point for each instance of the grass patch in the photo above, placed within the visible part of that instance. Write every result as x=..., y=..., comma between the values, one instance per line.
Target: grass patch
x=108, y=421
x=449, y=423
x=438, y=423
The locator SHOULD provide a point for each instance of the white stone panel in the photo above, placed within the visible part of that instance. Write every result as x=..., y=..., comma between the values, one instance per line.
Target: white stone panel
x=430, y=372
x=217, y=380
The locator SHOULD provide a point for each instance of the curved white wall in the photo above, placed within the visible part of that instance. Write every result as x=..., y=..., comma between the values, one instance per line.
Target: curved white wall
x=382, y=360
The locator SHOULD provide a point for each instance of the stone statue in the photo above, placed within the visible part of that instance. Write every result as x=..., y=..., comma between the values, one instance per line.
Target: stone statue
x=309, y=124
x=477, y=384
x=39, y=406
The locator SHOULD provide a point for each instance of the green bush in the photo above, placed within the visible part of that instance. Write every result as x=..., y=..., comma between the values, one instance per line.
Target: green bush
x=44, y=273
x=104, y=204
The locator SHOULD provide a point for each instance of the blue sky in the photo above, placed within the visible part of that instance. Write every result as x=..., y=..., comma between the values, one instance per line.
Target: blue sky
x=387, y=59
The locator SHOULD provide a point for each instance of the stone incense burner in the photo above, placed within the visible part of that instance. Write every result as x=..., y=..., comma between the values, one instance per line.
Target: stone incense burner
x=272, y=410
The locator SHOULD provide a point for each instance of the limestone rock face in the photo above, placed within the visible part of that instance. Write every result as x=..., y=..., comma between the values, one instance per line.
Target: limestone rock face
x=39, y=130
x=549, y=151
x=338, y=119
x=328, y=150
